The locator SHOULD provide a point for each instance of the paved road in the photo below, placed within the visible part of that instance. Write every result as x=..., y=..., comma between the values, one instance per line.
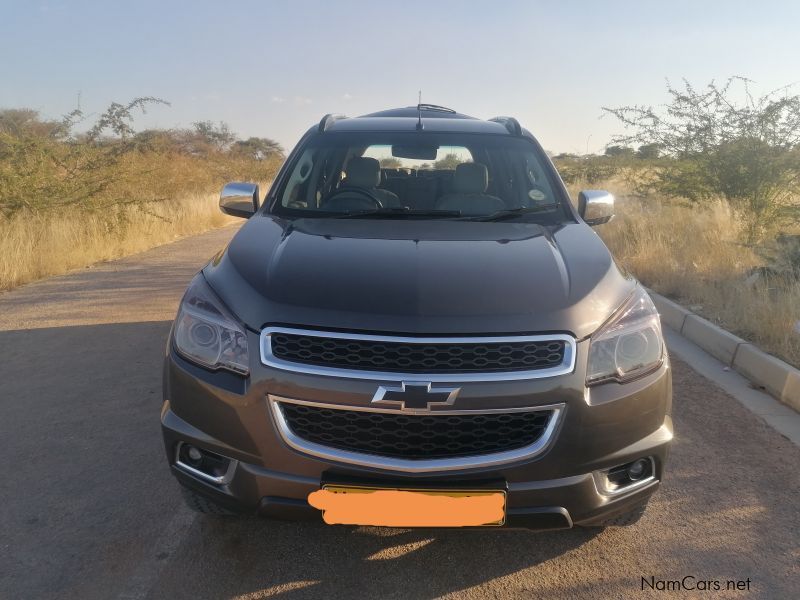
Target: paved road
x=89, y=509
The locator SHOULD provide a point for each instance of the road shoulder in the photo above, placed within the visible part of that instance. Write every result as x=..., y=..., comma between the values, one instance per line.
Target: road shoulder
x=776, y=414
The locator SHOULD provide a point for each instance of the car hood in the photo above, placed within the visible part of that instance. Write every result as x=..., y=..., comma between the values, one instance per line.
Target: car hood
x=419, y=276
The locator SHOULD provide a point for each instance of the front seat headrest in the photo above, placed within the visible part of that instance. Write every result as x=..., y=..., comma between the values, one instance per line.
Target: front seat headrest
x=470, y=178
x=363, y=172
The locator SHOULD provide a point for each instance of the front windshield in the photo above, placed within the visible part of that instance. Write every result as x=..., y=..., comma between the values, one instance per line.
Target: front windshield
x=420, y=175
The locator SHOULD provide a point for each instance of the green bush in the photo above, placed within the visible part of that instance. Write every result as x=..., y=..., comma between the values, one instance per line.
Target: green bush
x=589, y=169
x=746, y=151
x=46, y=167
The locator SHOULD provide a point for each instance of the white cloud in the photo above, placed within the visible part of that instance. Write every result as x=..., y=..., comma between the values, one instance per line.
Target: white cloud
x=302, y=100
x=278, y=99
x=347, y=96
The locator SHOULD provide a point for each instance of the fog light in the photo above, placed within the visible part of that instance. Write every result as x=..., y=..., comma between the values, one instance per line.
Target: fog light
x=194, y=455
x=205, y=464
x=637, y=469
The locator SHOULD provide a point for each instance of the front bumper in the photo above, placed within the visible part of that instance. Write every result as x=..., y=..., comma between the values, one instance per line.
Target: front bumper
x=601, y=427
x=537, y=504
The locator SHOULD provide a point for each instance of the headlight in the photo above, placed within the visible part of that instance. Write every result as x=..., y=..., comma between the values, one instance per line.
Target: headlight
x=207, y=334
x=629, y=344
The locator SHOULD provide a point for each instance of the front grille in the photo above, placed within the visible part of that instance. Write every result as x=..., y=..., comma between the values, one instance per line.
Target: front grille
x=415, y=436
x=412, y=357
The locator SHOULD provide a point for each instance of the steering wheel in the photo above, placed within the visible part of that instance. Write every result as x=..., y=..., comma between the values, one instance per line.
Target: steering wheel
x=366, y=201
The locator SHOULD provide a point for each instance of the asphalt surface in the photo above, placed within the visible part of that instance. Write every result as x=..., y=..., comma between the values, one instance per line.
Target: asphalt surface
x=88, y=508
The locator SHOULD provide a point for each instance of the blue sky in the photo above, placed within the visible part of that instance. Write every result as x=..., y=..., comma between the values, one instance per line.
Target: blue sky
x=274, y=68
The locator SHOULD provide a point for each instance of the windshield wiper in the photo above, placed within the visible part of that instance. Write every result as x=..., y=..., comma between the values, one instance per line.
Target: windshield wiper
x=397, y=211
x=503, y=215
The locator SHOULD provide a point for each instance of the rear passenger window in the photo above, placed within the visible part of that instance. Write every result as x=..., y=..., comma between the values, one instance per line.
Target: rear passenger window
x=447, y=158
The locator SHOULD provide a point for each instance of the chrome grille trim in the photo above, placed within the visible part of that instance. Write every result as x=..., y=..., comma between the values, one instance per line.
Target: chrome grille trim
x=412, y=465
x=269, y=359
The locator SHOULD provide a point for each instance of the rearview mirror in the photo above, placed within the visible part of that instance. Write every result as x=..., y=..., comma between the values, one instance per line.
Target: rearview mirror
x=596, y=206
x=239, y=199
x=416, y=152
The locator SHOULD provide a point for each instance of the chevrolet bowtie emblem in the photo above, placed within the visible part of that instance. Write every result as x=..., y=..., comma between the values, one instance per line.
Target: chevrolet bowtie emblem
x=415, y=396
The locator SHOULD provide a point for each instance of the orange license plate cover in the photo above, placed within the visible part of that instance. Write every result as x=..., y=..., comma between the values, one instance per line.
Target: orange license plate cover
x=401, y=507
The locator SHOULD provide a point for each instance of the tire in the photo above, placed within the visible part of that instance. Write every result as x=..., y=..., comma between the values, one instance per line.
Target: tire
x=201, y=504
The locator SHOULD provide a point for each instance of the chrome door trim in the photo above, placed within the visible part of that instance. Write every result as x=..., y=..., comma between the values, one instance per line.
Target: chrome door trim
x=362, y=459
x=269, y=359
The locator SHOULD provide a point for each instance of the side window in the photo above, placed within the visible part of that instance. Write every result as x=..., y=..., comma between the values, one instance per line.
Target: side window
x=518, y=178
x=296, y=193
x=536, y=186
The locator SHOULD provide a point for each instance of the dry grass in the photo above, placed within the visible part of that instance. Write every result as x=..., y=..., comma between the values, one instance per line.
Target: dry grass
x=33, y=247
x=693, y=255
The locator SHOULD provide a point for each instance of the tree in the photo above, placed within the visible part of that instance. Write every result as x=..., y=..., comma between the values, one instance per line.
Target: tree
x=619, y=151
x=259, y=148
x=648, y=151
x=448, y=163
x=45, y=166
x=391, y=162
x=117, y=118
x=219, y=136
x=48, y=168
x=586, y=169
x=20, y=121
x=746, y=151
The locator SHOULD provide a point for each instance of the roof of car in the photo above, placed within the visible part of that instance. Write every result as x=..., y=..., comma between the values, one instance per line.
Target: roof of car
x=427, y=110
x=434, y=118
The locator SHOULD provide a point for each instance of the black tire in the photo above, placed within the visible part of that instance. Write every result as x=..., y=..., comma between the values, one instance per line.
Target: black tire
x=201, y=504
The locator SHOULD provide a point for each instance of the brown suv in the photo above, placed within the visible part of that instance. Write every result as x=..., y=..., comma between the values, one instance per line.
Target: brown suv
x=418, y=328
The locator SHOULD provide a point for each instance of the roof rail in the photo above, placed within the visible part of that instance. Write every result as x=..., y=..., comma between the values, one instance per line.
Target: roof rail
x=510, y=123
x=329, y=120
x=424, y=106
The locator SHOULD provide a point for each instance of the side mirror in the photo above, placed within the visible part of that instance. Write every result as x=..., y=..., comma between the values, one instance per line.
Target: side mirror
x=239, y=199
x=596, y=206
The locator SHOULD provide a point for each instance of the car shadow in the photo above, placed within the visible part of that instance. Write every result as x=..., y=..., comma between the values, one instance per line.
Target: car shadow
x=260, y=557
